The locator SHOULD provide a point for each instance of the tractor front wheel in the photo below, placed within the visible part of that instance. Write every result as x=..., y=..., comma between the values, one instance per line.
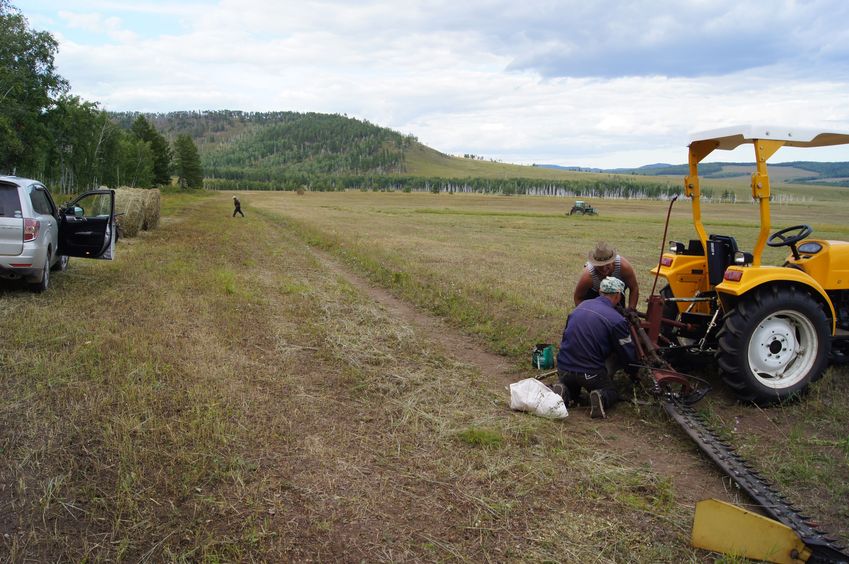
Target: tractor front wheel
x=773, y=344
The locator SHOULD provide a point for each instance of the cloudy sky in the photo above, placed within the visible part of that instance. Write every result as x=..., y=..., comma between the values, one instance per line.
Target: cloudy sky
x=570, y=82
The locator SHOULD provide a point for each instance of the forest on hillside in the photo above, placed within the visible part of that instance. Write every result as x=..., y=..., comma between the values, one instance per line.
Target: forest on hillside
x=235, y=144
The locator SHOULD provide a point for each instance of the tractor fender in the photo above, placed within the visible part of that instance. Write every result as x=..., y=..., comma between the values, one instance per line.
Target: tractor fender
x=729, y=291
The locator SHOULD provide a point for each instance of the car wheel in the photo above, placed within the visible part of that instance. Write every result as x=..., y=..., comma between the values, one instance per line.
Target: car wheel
x=61, y=264
x=44, y=283
x=773, y=345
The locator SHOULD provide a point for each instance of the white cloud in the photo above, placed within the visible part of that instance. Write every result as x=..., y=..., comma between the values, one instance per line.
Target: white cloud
x=97, y=24
x=570, y=82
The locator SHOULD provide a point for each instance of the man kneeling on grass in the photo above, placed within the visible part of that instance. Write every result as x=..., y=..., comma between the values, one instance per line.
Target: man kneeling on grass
x=595, y=337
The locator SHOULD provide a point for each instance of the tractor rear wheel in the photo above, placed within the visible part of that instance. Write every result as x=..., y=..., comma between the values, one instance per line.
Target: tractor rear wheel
x=773, y=345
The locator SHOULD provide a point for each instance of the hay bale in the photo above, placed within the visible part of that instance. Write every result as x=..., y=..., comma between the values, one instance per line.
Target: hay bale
x=151, y=209
x=138, y=209
x=129, y=207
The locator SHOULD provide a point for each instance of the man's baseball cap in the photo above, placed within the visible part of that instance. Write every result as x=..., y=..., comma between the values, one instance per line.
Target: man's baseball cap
x=611, y=285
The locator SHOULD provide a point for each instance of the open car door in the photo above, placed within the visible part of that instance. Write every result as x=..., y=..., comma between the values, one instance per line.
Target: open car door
x=87, y=226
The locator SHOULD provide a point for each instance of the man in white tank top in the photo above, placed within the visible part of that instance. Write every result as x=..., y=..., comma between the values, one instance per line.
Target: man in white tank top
x=603, y=261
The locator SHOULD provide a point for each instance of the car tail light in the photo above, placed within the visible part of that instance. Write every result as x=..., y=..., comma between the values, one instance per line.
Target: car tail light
x=666, y=261
x=31, y=228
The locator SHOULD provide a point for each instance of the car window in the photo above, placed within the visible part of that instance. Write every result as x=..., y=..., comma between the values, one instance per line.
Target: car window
x=95, y=205
x=41, y=202
x=10, y=205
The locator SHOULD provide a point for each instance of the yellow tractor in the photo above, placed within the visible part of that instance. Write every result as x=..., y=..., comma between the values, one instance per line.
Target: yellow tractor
x=773, y=329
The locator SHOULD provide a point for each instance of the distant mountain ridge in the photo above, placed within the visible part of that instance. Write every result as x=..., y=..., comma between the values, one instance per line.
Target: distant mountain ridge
x=800, y=171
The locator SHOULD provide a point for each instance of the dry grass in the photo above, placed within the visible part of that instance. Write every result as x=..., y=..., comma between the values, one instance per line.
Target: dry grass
x=217, y=396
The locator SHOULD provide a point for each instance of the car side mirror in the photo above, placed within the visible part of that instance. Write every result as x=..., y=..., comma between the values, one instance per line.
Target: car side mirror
x=78, y=211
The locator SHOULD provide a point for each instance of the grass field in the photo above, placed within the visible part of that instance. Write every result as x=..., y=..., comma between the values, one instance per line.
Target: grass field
x=218, y=394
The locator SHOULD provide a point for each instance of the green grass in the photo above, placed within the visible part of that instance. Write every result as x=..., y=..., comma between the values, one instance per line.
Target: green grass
x=481, y=437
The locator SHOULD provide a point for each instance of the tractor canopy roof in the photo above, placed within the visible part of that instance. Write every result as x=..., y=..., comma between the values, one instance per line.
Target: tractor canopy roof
x=728, y=138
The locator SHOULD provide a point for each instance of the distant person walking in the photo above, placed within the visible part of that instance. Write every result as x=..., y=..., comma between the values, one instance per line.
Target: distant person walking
x=237, y=207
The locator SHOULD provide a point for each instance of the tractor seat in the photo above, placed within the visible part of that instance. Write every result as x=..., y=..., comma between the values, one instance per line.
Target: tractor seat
x=720, y=255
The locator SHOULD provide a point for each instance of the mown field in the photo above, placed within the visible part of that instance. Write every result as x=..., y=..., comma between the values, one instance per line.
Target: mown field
x=219, y=394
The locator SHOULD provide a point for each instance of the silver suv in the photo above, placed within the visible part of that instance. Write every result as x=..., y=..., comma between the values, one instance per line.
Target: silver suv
x=36, y=236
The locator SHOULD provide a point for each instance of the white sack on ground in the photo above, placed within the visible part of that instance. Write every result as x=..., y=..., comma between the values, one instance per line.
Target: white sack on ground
x=534, y=396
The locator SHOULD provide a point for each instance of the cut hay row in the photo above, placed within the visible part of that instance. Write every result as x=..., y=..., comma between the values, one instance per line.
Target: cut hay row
x=137, y=209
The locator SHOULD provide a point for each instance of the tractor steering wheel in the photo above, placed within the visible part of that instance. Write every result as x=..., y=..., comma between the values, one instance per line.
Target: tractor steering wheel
x=778, y=239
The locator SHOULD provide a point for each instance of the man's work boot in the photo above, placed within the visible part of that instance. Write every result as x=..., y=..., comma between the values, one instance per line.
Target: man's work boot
x=596, y=405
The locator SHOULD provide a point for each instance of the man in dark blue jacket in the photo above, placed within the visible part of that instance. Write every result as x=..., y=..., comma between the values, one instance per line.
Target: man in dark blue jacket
x=594, y=331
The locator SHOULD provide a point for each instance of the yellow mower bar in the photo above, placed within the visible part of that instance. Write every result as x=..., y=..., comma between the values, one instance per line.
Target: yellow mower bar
x=728, y=529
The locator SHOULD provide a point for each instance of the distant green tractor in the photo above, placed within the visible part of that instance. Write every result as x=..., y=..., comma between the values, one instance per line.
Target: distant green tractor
x=582, y=208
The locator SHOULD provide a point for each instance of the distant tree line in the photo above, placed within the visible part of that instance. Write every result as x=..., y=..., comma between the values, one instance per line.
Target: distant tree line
x=69, y=143
x=613, y=187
